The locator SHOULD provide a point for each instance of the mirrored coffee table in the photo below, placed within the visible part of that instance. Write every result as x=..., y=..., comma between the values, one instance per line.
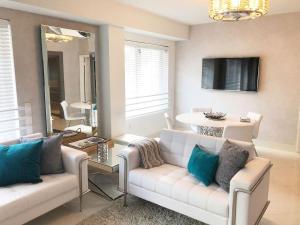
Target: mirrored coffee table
x=104, y=180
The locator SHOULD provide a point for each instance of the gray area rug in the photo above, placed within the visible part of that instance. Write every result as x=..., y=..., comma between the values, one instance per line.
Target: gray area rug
x=138, y=212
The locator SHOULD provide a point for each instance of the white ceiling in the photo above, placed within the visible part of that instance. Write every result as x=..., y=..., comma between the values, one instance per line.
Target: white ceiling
x=195, y=11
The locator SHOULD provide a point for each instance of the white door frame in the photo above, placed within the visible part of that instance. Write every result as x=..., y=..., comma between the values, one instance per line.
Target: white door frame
x=82, y=65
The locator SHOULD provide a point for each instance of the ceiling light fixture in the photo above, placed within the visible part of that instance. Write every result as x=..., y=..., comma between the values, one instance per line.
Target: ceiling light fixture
x=234, y=10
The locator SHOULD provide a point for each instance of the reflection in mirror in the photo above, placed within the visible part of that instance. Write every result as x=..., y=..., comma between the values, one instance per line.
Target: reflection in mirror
x=69, y=77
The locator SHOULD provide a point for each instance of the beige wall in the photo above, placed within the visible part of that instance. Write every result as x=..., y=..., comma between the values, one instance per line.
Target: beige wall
x=276, y=40
x=105, y=12
x=28, y=57
x=111, y=95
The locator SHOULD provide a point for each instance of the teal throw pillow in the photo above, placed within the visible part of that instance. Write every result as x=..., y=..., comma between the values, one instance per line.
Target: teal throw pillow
x=20, y=163
x=203, y=165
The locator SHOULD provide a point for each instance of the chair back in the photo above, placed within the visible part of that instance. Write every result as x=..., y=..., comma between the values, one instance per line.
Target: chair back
x=195, y=128
x=256, y=118
x=197, y=110
x=239, y=132
x=168, y=121
x=64, y=106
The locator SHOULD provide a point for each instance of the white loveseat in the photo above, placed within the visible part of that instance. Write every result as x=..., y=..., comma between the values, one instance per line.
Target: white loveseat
x=21, y=203
x=171, y=186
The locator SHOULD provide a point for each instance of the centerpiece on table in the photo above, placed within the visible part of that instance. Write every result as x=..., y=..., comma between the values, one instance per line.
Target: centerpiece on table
x=215, y=115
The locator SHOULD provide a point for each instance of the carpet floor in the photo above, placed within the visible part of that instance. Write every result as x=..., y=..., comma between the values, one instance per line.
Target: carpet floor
x=138, y=212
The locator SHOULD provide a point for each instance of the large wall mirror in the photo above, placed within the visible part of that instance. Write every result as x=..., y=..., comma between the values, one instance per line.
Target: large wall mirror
x=69, y=79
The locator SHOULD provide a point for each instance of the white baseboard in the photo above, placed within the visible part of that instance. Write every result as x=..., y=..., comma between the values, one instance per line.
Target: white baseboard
x=273, y=145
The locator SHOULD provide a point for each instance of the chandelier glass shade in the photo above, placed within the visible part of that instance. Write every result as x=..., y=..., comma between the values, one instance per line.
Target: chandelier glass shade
x=234, y=10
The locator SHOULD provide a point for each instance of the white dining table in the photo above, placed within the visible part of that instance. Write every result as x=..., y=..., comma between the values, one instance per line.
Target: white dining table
x=87, y=107
x=198, y=119
x=81, y=105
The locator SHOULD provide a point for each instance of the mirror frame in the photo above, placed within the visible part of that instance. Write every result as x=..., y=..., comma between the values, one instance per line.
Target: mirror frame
x=48, y=116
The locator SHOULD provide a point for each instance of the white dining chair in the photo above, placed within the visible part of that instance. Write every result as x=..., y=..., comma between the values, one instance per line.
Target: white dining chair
x=256, y=118
x=71, y=117
x=198, y=110
x=168, y=121
x=239, y=132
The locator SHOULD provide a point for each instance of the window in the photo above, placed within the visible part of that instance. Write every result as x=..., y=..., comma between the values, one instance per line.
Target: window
x=146, y=79
x=9, y=116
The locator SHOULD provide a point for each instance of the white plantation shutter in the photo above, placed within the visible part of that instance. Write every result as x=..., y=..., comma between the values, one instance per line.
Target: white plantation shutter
x=146, y=79
x=9, y=116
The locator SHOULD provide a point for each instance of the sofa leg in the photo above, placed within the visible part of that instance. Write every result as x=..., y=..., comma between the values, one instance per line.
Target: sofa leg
x=80, y=203
x=125, y=200
x=125, y=179
x=80, y=182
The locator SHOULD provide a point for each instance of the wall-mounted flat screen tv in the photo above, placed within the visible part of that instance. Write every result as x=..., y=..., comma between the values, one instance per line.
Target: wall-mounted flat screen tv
x=236, y=74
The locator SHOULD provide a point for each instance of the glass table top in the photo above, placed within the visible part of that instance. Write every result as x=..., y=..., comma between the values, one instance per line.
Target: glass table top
x=112, y=159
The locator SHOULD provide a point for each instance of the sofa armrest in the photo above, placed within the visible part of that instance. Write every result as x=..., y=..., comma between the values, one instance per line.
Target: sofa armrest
x=75, y=162
x=247, y=177
x=129, y=160
x=249, y=192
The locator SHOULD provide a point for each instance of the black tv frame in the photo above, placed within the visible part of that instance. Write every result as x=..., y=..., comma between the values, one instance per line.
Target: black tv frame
x=232, y=90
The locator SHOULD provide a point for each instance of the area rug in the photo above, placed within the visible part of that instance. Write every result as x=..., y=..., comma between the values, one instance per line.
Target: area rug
x=138, y=212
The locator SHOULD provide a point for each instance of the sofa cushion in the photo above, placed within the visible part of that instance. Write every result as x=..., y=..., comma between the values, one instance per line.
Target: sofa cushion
x=176, y=146
x=20, y=163
x=51, y=156
x=203, y=165
x=232, y=159
x=175, y=182
x=15, y=199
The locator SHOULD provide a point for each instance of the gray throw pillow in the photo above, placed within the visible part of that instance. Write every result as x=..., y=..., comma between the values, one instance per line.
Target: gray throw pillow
x=232, y=158
x=51, y=156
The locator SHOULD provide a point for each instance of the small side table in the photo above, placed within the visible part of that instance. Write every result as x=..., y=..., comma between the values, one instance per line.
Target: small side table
x=103, y=183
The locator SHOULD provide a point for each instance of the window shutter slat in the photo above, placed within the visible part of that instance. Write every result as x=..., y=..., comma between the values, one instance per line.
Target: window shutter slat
x=9, y=124
x=146, y=79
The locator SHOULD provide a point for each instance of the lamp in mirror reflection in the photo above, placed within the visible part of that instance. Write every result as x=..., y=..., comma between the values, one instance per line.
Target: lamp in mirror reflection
x=235, y=10
x=58, y=37
x=57, y=34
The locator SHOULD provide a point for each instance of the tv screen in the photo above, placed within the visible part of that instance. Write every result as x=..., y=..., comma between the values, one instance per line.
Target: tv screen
x=237, y=74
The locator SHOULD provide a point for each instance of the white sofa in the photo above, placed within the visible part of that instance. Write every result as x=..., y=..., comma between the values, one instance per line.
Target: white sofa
x=21, y=203
x=171, y=186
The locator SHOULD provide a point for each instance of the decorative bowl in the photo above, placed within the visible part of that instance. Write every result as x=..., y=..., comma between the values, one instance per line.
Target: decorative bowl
x=215, y=115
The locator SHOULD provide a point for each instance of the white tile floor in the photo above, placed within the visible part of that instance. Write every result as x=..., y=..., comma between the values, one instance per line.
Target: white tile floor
x=284, y=188
x=284, y=195
x=69, y=214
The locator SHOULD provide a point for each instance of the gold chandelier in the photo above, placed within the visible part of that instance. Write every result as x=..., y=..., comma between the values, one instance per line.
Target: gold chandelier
x=234, y=10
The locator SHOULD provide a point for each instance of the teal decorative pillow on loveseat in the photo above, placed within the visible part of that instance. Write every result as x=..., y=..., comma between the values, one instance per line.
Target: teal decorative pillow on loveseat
x=20, y=163
x=203, y=165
